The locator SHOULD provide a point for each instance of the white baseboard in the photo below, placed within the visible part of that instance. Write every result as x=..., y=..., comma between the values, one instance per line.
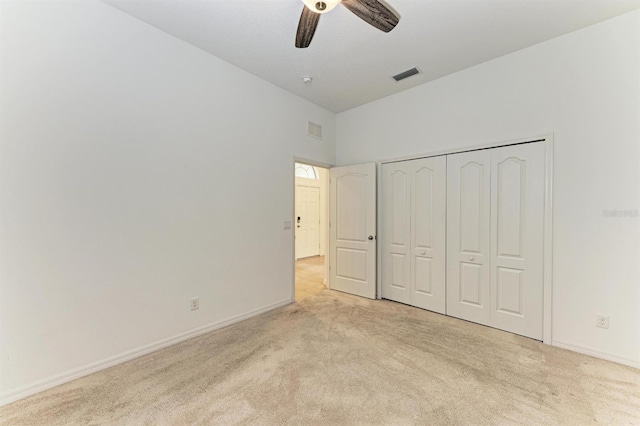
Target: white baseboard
x=76, y=373
x=596, y=353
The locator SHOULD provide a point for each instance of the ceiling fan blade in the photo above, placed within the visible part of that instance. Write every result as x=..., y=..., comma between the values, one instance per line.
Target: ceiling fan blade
x=373, y=12
x=306, y=27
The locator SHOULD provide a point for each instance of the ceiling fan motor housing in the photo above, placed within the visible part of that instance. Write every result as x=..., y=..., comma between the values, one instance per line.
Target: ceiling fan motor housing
x=321, y=6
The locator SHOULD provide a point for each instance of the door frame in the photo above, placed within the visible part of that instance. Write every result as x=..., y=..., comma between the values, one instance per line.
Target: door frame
x=547, y=139
x=324, y=215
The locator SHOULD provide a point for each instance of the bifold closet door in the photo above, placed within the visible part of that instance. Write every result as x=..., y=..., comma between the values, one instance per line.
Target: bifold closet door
x=413, y=232
x=517, y=245
x=395, y=238
x=428, y=233
x=468, y=236
x=495, y=228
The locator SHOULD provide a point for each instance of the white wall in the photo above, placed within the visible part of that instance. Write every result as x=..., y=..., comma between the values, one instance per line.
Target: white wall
x=136, y=172
x=584, y=87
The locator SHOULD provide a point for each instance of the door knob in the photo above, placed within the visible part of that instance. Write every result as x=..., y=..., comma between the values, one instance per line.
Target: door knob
x=370, y=237
x=472, y=258
x=423, y=253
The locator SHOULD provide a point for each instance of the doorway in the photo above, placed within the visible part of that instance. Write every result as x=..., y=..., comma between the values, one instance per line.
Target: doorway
x=311, y=228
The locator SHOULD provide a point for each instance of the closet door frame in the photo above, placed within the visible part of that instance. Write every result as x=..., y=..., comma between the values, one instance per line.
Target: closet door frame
x=547, y=140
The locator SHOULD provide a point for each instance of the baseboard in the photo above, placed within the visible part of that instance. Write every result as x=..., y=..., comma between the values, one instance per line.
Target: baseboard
x=76, y=373
x=596, y=353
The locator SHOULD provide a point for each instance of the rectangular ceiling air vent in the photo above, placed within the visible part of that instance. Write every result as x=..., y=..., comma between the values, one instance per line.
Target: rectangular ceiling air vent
x=314, y=129
x=406, y=74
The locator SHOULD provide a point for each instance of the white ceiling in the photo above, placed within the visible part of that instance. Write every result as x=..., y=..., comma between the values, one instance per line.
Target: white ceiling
x=351, y=62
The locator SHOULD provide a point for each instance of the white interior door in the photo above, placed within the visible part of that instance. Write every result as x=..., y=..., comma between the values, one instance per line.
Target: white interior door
x=517, y=244
x=307, y=221
x=468, y=236
x=413, y=236
x=353, y=229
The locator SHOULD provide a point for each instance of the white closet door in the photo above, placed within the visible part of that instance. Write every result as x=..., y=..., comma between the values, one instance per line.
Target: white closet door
x=413, y=232
x=396, y=231
x=428, y=233
x=468, y=236
x=517, y=229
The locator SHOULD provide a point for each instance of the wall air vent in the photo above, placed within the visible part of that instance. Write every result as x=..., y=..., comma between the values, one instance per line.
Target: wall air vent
x=406, y=74
x=314, y=129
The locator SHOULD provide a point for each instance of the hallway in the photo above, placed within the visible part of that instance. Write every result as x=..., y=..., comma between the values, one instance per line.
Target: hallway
x=309, y=277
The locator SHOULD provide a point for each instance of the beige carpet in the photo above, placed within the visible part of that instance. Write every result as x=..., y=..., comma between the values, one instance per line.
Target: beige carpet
x=332, y=358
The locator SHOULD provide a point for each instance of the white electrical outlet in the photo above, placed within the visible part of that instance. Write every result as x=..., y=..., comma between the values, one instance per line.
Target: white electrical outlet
x=602, y=321
x=195, y=303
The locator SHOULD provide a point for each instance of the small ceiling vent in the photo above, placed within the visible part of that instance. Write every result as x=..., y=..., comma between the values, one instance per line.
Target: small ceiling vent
x=406, y=74
x=314, y=129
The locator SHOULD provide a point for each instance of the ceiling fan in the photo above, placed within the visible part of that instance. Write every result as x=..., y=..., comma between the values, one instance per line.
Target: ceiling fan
x=372, y=12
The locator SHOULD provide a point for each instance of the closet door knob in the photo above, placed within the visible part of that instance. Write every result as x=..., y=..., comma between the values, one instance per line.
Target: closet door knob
x=472, y=258
x=423, y=253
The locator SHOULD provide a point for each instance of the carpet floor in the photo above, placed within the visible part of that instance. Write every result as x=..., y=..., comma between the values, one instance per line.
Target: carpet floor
x=333, y=358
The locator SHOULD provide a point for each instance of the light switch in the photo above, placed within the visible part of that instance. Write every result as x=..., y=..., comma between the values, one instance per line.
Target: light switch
x=287, y=225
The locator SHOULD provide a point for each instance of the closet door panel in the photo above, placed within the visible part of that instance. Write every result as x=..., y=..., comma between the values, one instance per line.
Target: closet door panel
x=468, y=236
x=428, y=233
x=517, y=247
x=395, y=236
